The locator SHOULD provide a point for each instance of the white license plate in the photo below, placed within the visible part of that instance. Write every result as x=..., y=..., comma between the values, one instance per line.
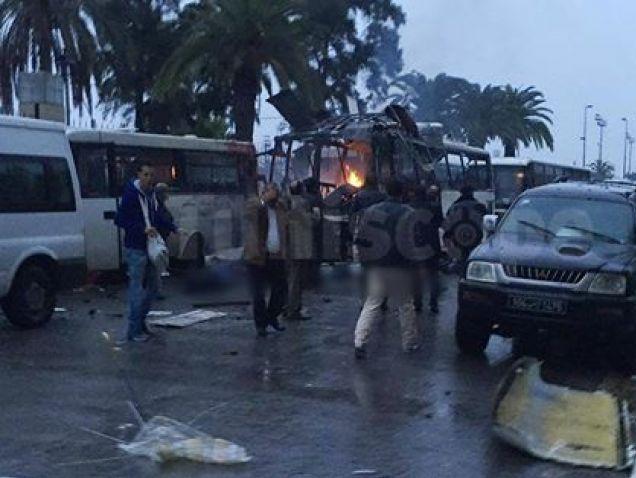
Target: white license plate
x=546, y=305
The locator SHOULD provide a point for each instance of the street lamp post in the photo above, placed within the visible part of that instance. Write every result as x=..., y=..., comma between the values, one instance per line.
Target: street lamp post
x=626, y=121
x=601, y=123
x=584, y=137
x=630, y=140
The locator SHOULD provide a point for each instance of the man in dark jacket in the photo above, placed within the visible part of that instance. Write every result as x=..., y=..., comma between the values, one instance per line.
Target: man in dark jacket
x=369, y=195
x=389, y=249
x=428, y=199
x=467, y=196
x=465, y=214
x=301, y=250
x=142, y=275
x=266, y=223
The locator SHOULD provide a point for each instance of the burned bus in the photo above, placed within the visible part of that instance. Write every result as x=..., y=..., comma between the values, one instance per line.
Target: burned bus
x=339, y=153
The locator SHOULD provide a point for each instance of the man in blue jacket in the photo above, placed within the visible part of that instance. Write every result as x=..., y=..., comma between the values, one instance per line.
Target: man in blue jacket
x=143, y=277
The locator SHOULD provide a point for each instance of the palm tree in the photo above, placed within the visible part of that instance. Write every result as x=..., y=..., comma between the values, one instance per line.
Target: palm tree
x=37, y=34
x=239, y=45
x=445, y=99
x=6, y=78
x=602, y=170
x=475, y=115
x=520, y=118
x=135, y=39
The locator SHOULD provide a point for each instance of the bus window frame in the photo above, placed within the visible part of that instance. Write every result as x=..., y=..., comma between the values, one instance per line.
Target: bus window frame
x=76, y=149
x=487, y=183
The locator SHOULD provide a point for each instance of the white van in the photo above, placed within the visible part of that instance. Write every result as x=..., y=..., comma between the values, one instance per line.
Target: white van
x=41, y=228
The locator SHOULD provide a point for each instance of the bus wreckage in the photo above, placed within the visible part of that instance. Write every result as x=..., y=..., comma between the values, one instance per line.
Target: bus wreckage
x=340, y=152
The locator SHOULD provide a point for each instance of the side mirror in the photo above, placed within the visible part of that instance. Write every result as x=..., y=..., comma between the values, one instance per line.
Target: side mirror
x=490, y=223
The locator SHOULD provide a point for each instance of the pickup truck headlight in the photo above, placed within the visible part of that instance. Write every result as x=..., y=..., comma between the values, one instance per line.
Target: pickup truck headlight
x=481, y=271
x=610, y=284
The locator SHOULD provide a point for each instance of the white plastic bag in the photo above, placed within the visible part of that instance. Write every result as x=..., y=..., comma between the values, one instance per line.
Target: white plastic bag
x=164, y=439
x=157, y=250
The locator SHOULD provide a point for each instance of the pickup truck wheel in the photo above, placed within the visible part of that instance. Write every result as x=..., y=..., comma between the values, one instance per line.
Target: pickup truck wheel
x=31, y=301
x=471, y=335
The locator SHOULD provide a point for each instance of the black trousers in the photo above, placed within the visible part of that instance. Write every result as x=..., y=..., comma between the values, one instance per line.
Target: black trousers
x=272, y=274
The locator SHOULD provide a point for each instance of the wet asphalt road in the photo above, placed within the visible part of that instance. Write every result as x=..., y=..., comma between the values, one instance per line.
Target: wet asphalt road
x=298, y=401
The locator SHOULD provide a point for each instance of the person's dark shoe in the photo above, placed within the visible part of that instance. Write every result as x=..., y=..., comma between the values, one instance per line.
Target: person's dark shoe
x=276, y=325
x=417, y=306
x=140, y=338
x=433, y=308
x=360, y=353
x=261, y=331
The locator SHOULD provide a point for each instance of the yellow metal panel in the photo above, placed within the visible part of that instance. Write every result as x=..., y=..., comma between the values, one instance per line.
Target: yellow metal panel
x=559, y=423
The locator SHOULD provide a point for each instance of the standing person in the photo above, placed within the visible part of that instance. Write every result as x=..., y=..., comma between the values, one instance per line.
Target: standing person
x=311, y=193
x=428, y=199
x=301, y=249
x=389, y=271
x=467, y=195
x=142, y=274
x=465, y=214
x=161, y=191
x=369, y=195
x=265, y=253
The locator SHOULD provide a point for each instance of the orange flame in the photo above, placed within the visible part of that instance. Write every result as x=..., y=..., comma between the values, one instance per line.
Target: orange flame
x=354, y=177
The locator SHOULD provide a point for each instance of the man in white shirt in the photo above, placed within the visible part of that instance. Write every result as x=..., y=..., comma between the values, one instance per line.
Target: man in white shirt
x=266, y=225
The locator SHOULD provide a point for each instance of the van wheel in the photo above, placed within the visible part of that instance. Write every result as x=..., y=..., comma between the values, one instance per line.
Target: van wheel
x=31, y=301
x=471, y=334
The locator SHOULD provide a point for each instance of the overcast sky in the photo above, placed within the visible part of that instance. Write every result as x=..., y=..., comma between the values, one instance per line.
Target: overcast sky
x=575, y=51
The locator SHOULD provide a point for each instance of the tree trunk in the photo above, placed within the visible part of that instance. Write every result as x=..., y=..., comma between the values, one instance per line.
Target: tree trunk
x=6, y=92
x=139, y=110
x=510, y=149
x=246, y=88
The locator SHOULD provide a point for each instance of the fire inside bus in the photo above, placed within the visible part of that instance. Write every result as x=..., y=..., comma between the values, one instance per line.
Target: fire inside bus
x=340, y=153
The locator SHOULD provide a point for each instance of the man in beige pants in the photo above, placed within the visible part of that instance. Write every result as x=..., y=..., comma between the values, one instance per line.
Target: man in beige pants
x=390, y=250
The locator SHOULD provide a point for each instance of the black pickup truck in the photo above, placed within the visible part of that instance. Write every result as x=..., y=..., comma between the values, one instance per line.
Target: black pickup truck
x=562, y=260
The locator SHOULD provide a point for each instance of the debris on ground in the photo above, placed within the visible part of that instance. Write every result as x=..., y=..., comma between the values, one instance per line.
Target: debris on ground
x=60, y=310
x=164, y=439
x=554, y=422
x=186, y=319
x=364, y=472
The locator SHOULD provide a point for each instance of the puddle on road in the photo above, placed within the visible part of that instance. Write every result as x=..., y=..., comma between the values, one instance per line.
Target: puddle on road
x=374, y=399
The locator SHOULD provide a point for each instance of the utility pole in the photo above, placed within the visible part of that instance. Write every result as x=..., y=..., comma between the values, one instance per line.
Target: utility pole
x=601, y=123
x=630, y=140
x=626, y=121
x=584, y=137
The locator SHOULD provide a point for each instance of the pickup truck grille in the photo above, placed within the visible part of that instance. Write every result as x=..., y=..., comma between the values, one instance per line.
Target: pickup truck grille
x=544, y=274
